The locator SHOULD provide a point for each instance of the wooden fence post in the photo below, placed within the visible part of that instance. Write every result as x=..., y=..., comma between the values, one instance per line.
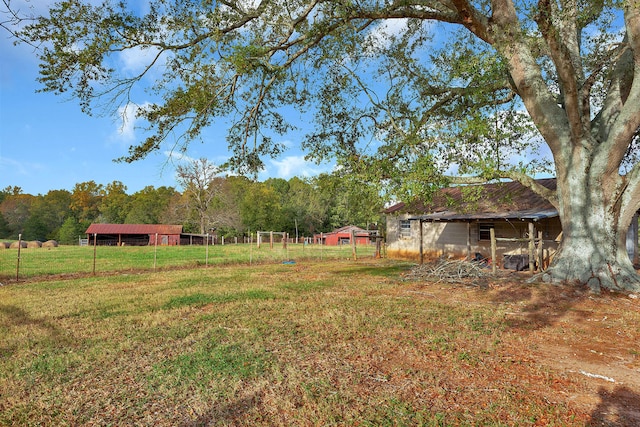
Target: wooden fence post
x=353, y=245
x=18, y=262
x=539, y=251
x=155, y=252
x=95, y=249
x=494, y=262
x=532, y=245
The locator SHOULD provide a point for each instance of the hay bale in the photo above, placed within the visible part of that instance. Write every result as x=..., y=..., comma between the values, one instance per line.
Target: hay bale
x=5, y=245
x=34, y=244
x=50, y=244
x=16, y=244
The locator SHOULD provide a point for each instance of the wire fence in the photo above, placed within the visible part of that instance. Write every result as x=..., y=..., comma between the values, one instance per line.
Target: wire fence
x=21, y=262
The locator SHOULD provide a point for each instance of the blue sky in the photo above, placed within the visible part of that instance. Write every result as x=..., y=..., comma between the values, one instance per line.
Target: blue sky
x=47, y=143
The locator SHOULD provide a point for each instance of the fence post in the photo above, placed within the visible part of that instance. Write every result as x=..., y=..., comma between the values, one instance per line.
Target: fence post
x=18, y=261
x=353, y=245
x=494, y=261
x=206, y=257
x=155, y=252
x=539, y=251
x=532, y=247
x=95, y=246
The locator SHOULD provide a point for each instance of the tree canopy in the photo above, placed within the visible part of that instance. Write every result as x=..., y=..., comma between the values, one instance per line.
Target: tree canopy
x=403, y=92
x=298, y=207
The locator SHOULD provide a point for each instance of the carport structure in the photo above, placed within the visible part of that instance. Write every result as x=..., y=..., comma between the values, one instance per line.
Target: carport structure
x=134, y=234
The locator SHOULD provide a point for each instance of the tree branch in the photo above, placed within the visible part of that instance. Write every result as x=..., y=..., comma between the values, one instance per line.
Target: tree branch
x=558, y=36
x=473, y=20
x=625, y=88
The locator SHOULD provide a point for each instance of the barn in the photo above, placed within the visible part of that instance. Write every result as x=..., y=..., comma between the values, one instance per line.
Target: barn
x=134, y=234
x=343, y=236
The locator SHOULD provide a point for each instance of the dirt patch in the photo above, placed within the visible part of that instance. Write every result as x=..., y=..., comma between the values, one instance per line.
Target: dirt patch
x=589, y=343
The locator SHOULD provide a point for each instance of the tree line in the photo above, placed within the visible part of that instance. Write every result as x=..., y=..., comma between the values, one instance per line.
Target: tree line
x=234, y=205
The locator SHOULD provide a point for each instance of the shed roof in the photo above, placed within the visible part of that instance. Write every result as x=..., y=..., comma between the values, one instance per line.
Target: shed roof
x=349, y=229
x=148, y=229
x=503, y=200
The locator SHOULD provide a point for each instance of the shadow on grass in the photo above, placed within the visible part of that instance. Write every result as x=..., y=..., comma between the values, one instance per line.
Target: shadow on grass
x=228, y=413
x=620, y=407
x=536, y=308
x=376, y=270
x=12, y=317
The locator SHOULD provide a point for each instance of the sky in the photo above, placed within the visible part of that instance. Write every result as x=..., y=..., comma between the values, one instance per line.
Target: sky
x=47, y=143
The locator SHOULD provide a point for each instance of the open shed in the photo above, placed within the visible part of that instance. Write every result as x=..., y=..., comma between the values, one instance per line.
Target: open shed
x=343, y=236
x=134, y=234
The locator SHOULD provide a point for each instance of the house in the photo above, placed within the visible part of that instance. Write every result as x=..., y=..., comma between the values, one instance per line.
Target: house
x=343, y=236
x=459, y=223
x=134, y=234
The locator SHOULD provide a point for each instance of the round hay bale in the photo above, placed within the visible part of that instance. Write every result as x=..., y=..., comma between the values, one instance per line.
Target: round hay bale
x=34, y=244
x=16, y=244
x=50, y=244
x=4, y=245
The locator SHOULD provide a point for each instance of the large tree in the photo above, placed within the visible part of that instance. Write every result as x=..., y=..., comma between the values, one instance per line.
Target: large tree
x=389, y=102
x=114, y=206
x=86, y=198
x=148, y=205
x=198, y=179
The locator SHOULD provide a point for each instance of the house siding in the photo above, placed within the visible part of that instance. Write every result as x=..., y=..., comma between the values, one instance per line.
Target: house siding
x=402, y=247
x=461, y=239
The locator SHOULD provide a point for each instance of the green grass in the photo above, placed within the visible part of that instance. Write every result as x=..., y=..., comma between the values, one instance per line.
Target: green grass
x=315, y=343
x=198, y=300
x=67, y=260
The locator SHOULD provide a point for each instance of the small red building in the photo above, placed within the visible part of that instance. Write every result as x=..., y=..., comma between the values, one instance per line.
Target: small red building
x=343, y=236
x=134, y=234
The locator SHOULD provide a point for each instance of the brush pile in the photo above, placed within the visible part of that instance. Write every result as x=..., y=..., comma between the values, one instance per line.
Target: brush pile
x=448, y=271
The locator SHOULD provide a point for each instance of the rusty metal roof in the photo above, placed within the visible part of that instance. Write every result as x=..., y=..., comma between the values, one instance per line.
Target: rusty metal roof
x=503, y=200
x=163, y=229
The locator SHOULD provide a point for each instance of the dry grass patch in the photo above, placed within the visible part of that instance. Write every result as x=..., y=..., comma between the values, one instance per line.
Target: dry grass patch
x=333, y=343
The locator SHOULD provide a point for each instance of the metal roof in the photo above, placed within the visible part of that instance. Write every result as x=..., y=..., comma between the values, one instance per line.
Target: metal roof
x=503, y=200
x=528, y=214
x=148, y=229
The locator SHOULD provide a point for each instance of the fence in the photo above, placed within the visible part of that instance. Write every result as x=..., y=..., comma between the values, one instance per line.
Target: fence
x=22, y=263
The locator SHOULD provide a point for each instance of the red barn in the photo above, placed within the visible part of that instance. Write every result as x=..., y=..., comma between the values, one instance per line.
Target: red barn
x=342, y=236
x=134, y=234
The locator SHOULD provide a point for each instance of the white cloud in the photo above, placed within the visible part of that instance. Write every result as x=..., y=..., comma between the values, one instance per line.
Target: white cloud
x=20, y=167
x=291, y=166
x=382, y=34
x=135, y=60
x=178, y=156
x=128, y=117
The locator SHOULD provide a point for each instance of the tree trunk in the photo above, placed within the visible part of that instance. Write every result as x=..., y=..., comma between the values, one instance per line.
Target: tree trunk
x=594, y=229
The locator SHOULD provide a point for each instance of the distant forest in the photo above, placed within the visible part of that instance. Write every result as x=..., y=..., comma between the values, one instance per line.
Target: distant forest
x=233, y=205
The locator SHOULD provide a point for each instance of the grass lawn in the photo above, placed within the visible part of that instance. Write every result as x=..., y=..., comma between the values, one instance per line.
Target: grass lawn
x=314, y=343
x=67, y=260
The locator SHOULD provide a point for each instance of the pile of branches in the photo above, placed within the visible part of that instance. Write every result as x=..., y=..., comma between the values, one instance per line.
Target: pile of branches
x=449, y=271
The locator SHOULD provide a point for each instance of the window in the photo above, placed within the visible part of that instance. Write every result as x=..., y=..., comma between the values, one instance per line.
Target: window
x=484, y=231
x=404, y=229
